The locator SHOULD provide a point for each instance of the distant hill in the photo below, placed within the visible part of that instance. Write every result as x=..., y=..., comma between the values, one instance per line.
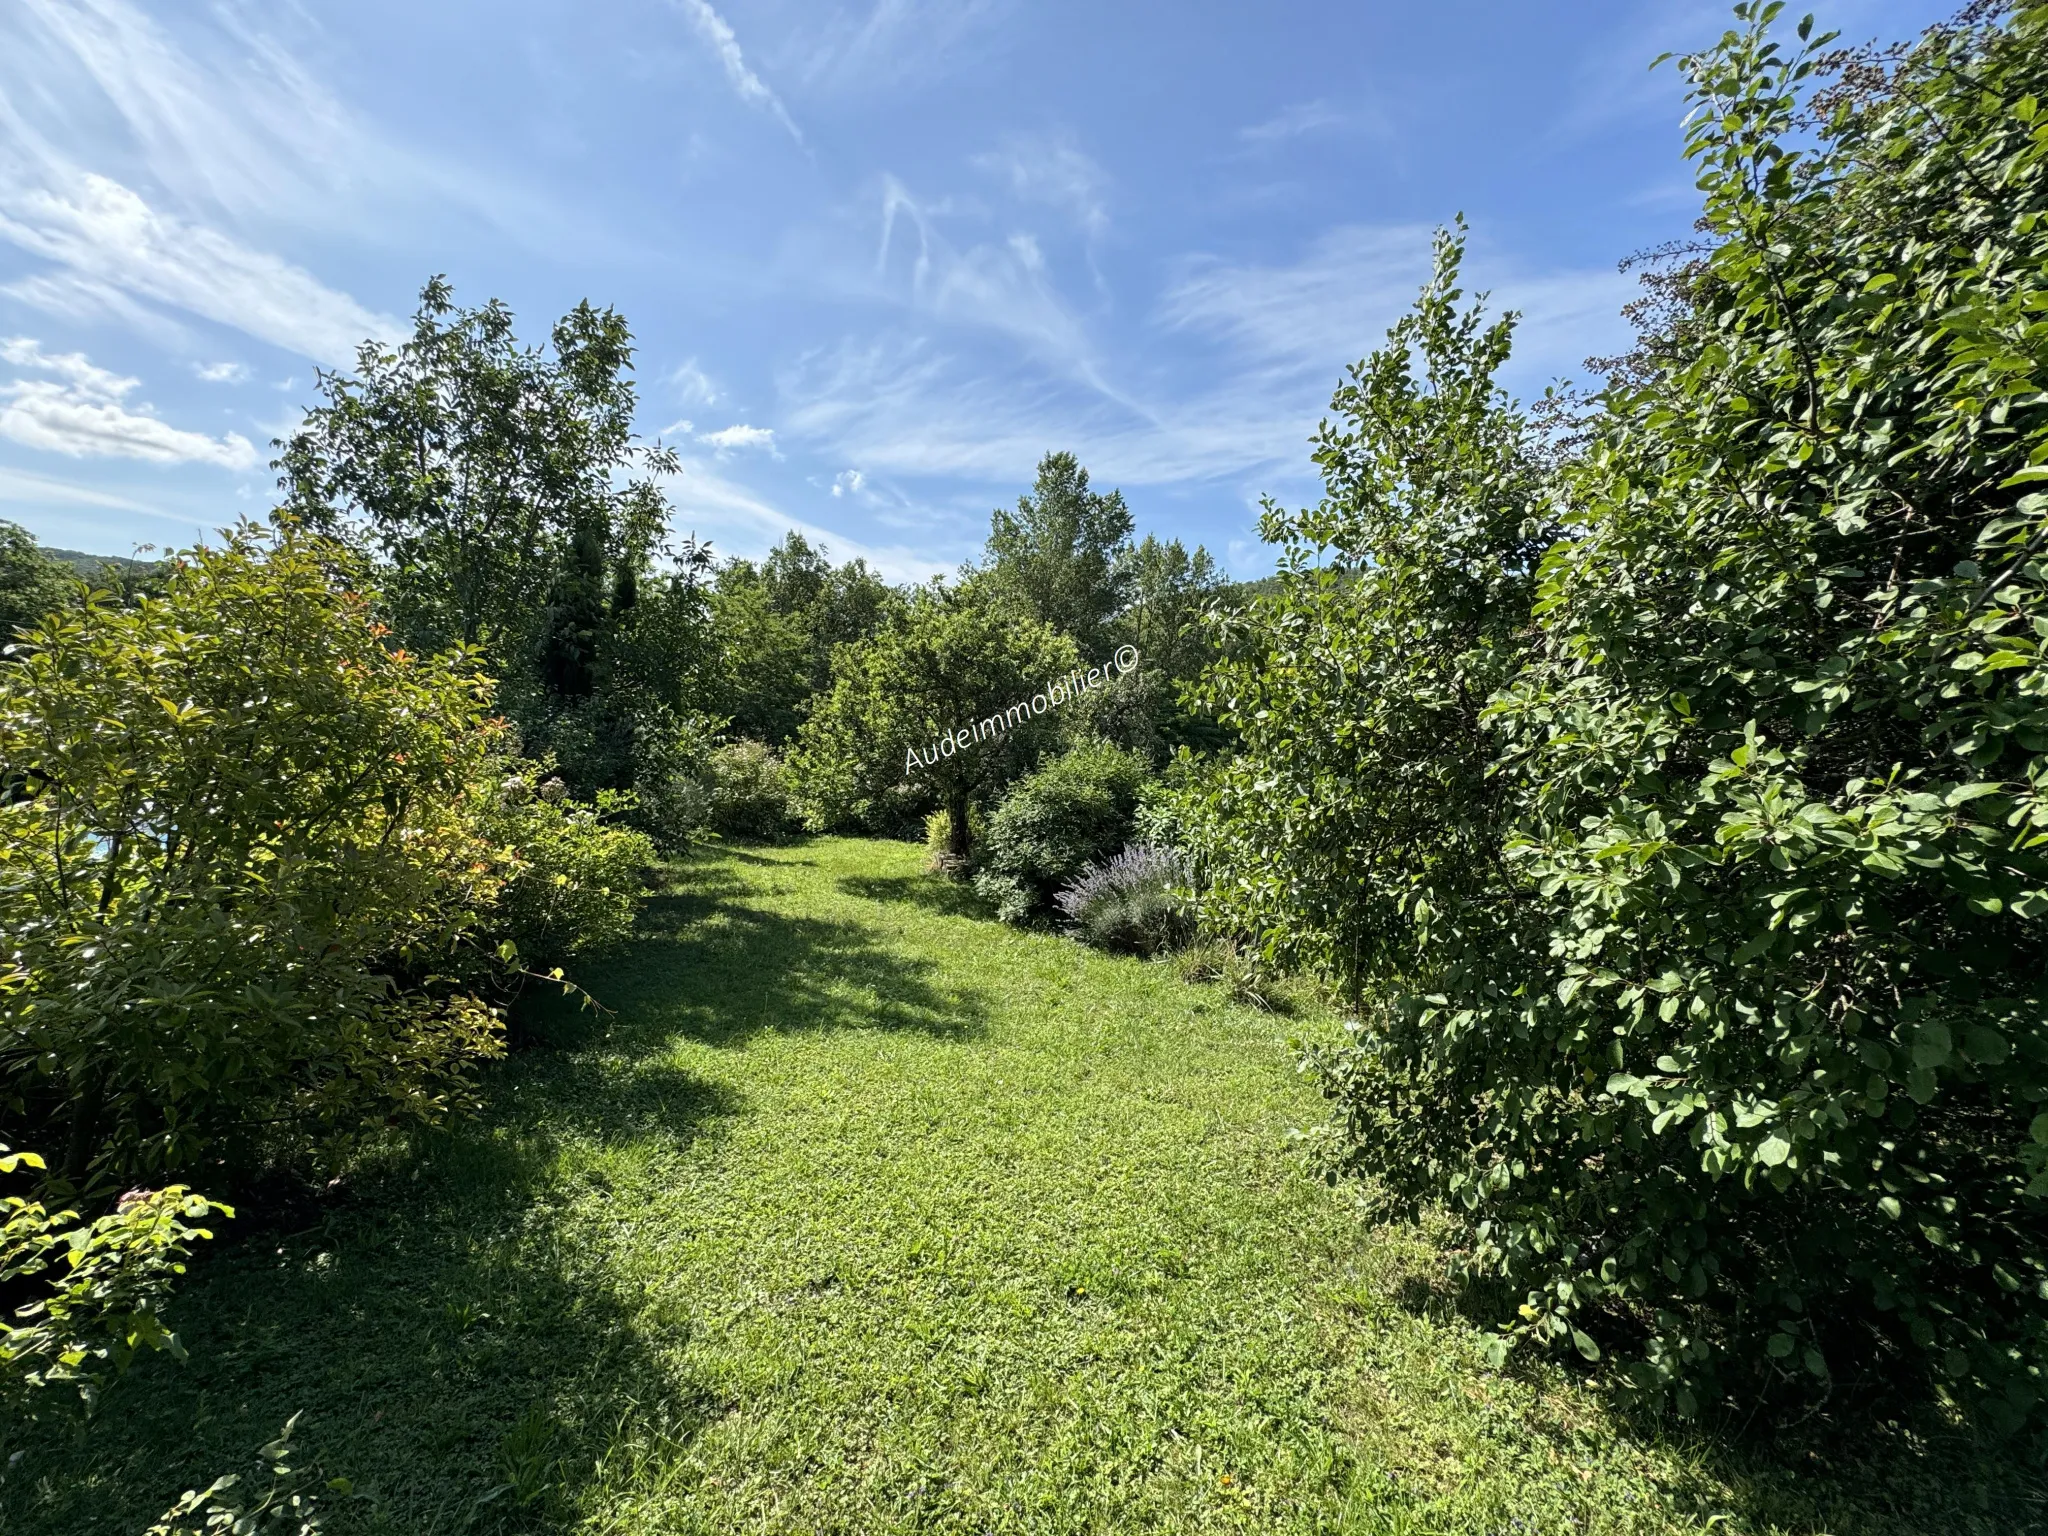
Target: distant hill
x=91, y=565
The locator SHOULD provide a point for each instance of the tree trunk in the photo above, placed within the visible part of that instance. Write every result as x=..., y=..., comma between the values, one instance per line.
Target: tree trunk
x=958, y=843
x=85, y=1126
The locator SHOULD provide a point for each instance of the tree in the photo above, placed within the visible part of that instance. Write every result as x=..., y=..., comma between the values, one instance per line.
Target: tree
x=473, y=466
x=950, y=698
x=778, y=624
x=1152, y=708
x=1360, y=793
x=31, y=583
x=1064, y=555
x=501, y=488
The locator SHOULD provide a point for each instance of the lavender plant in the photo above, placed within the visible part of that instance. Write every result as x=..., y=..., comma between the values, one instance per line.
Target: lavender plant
x=1131, y=902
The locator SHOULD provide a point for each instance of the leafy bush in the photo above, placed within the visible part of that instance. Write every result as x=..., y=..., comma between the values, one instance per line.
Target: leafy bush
x=283, y=1505
x=1070, y=813
x=750, y=794
x=238, y=824
x=1692, y=884
x=1132, y=902
x=101, y=1283
x=571, y=878
x=656, y=763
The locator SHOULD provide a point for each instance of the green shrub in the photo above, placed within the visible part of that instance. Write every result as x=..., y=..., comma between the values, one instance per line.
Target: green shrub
x=101, y=1284
x=239, y=827
x=1074, y=811
x=750, y=793
x=570, y=877
x=1692, y=884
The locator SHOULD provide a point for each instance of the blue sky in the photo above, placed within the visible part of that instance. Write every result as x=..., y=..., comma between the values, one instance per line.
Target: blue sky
x=878, y=256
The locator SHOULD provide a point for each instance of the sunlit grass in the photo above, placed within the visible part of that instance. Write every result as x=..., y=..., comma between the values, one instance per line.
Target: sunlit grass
x=862, y=1213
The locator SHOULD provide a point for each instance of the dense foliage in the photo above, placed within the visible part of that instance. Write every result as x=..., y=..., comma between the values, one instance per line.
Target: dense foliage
x=1074, y=810
x=1696, y=877
x=510, y=509
x=750, y=795
x=252, y=861
x=888, y=742
x=31, y=583
x=1064, y=555
x=776, y=625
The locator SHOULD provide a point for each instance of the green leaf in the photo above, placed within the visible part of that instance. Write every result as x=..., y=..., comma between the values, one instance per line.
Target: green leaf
x=1932, y=1045
x=1773, y=1150
x=1985, y=1046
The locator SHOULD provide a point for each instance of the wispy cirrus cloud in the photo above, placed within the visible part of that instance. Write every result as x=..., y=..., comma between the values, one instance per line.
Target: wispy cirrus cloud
x=104, y=237
x=709, y=504
x=80, y=410
x=748, y=86
x=1004, y=285
x=1274, y=338
x=1335, y=303
x=891, y=42
x=1052, y=169
x=1291, y=122
x=175, y=152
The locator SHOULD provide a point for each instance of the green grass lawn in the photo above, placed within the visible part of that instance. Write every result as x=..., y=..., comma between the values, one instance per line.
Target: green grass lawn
x=860, y=1212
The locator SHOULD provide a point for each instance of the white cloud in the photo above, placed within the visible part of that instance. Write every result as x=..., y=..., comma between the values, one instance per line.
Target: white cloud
x=105, y=234
x=221, y=373
x=716, y=31
x=82, y=412
x=243, y=129
x=693, y=386
x=22, y=487
x=739, y=435
x=1051, y=169
x=1279, y=339
x=1004, y=286
x=849, y=482
x=134, y=164
x=738, y=520
x=895, y=42
x=72, y=367
x=1291, y=123
x=1335, y=304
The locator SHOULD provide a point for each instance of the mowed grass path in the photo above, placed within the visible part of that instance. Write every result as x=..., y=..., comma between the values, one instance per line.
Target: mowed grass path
x=861, y=1213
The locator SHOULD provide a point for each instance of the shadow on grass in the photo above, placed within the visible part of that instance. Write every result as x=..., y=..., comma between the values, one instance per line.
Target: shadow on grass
x=949, y=898
x=453, y=1295
x=1873, y=1458
x=715, y=970
x=449, y=1323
